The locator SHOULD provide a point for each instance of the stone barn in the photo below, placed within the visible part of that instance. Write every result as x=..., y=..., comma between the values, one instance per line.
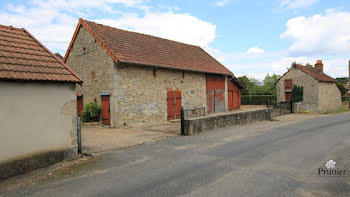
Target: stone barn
x=320, y=90
x=38, y=104
x=140, y=79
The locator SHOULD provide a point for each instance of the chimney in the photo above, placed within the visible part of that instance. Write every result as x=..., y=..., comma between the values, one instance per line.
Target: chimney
x=319, y=65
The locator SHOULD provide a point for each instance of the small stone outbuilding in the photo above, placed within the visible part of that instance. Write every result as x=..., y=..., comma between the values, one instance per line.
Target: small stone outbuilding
x=320, y=90
x=140, y=79
x=37, y=104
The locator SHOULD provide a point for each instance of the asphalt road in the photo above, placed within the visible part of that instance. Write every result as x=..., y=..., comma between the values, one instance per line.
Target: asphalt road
x=283, y=161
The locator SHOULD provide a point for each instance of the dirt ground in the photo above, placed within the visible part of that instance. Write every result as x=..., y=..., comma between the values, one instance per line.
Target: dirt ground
x=97, y=139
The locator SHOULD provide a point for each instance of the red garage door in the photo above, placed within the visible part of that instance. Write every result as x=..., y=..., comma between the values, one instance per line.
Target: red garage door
x=215, y=93
x=234, y=96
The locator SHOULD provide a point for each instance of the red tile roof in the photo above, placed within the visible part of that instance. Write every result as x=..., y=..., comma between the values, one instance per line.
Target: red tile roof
x=315, y=73
x=22, y=57
x=131, y=47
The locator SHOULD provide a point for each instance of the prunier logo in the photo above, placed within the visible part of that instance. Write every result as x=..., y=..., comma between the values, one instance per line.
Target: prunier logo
x=331, y=170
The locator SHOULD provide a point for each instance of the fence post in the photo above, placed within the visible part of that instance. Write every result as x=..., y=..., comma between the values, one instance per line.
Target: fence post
x=268, y=103
x=79, y=135
x=291, y=105
x=182, y=121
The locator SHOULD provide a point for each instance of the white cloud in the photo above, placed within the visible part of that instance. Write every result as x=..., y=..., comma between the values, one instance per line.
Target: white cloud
x=55, y=20
x=179, y=27
x=222, y=3
x=255, y=50
x=294, y=4
x=319, y=34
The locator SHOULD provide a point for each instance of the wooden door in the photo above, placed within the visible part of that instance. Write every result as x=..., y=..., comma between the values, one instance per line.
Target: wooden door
x=105, y=109
x=215, y=86
x=288, y=95
x=230, y=99
x=80, y=104
x=174, y=104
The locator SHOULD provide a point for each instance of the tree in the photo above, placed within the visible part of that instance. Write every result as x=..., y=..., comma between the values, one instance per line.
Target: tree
x=270, y=83
x=341, y=88
x=250, y=83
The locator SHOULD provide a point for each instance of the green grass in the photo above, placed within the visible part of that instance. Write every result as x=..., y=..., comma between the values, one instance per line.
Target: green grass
x=305, y=112
x=337, y=111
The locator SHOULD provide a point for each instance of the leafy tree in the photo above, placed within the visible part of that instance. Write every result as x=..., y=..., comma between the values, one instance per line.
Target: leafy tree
x=250, y=83
x=343, y=79
x=270, y=83
x=341, y=88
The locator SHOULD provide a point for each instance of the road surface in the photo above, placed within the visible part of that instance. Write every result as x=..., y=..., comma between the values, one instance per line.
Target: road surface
x=283, y=161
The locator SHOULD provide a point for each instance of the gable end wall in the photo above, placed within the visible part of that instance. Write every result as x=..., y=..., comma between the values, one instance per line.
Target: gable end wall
x=93, y=59
x=311, y=89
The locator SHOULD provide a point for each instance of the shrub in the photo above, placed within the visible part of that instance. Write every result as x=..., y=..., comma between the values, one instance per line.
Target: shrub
x=297, y=93
x=341, y=88
x=91, y=112
x=257, y=99
x=345, y=98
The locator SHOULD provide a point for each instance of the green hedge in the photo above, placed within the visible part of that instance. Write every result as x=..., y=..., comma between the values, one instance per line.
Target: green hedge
x=257, y=99
x=345, y=98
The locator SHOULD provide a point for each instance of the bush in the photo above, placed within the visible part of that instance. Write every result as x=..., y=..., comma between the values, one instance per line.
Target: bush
x=341, y=88
x=257, y=99
x=91, y=112
x=297, y=93
x=345, y=98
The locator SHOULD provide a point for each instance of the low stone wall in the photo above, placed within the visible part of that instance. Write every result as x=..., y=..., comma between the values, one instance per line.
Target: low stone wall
x=193, y=113
x=23, y=165
x=200, y=124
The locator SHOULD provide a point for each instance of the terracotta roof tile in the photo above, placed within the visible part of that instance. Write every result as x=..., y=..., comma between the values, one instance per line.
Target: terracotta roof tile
x=314, y=72
x=132, y=47
x=22, y=57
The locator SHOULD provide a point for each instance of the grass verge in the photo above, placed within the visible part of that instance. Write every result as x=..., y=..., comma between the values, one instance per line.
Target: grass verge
x=337, y=111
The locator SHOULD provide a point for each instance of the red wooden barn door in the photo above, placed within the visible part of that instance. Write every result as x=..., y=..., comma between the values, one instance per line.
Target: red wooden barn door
x=230, y=99
x=105, y=109
x=215, y=86
x=288, y=95
x=174, y=104
x=80, y=104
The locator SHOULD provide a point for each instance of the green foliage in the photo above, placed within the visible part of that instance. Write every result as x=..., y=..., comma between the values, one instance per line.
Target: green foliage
x=270, y=83
x=341, y=88
x=257, y=99
x=255, y=87
x=338, y=111
x=345, y=98
x=342, y=79
x=297, y=93
x=91, y=112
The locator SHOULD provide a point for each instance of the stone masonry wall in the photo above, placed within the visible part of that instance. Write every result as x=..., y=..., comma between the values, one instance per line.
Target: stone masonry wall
x=92, y=63
x=311, y=89
x=330, y=97
x=193, y=126
x=142, y=98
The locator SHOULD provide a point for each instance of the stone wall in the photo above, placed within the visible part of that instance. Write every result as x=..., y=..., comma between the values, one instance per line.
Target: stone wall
x=330, y=97
x=142, y=97
x=311, y=89
x=195, y=125
x=92, y=63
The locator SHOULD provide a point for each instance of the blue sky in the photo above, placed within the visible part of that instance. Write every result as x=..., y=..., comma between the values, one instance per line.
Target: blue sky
x=249, y=37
